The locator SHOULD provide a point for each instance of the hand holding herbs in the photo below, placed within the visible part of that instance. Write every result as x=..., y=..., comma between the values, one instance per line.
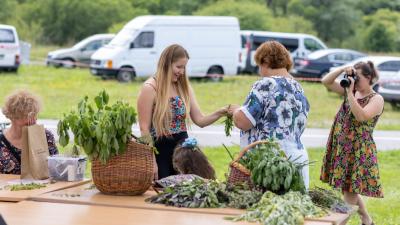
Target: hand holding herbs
x=103, y=131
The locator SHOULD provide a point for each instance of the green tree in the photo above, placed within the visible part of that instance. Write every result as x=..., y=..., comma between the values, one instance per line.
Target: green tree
x=379, y=38
x=7, y=10
x=71, y=20
x=251, y=15
x=383, y=25
x=334, y=21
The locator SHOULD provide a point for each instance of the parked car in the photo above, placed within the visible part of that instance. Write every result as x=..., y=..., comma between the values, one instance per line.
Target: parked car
x=80, y=53
x=4, y=122
x=299, y=45
x=10, y=51
x=389, y=76
x=213, y=43
x=318, y=63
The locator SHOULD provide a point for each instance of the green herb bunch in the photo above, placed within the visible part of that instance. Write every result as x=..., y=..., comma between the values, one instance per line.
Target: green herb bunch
x=228, y=125
x=290, y=208
x=102, y=131
x=21, y=187
x=271, y=170
x=328, y=199
x=200, y=193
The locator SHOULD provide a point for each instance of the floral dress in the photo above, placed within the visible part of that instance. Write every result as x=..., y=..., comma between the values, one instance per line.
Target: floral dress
x=278, y=109
x=10, y=156
x=350, y=162
x=166, y=144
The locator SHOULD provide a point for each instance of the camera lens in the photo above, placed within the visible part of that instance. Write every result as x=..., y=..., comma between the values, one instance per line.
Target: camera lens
x=345, y=82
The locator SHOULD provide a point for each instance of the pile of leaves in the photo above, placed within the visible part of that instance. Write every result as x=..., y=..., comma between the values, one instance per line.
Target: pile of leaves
x=272, y=170
x=290, y=208
x=103, y=131
x=328, y=199
x=200, y=193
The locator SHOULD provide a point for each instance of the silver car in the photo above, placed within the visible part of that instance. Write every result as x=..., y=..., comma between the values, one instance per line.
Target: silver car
x=78, y=55
x=389, y=87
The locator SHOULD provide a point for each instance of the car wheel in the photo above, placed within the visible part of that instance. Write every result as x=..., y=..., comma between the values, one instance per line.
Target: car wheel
x=125, y=75
x=68, y=63
x=215, y=74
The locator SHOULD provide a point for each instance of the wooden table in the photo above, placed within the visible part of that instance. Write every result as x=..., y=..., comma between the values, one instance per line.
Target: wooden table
x=85, y=196
x=43, y=213
x=16, y=196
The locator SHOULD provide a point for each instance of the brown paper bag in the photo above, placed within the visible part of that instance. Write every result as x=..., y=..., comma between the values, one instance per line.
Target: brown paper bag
x=34, y=153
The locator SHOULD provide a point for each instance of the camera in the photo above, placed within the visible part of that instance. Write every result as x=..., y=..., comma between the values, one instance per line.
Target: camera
x=345, y=82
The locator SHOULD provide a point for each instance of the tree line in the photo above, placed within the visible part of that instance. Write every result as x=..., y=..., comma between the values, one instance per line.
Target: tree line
x=366, y=25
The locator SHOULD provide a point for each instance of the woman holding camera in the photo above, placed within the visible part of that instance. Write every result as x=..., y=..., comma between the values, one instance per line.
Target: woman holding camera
x=350, y=162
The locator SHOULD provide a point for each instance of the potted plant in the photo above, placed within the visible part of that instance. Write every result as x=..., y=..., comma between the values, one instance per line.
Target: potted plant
x=120, y=165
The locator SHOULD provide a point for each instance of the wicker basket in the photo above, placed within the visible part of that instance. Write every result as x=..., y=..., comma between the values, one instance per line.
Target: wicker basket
x=130, y=173
x=239, y=174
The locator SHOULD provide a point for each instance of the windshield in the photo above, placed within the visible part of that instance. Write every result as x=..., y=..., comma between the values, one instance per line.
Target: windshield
x=123, y=38
x=6, y=36
x=82, y=43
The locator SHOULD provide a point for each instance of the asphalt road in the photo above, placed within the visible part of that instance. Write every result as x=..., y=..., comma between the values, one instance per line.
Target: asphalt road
x=215, y=136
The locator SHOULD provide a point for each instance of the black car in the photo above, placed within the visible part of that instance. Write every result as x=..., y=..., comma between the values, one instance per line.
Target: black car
x=318, y=63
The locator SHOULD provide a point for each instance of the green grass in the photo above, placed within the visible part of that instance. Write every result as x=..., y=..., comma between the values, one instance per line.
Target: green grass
x=383, y=211
x=61, y=89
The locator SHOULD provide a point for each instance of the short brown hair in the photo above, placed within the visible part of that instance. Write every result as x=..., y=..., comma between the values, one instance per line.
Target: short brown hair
x=21, y=104
x=274, y=54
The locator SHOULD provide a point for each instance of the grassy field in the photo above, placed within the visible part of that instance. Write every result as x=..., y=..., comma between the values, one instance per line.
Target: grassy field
x=61, y=89
x=383, y=211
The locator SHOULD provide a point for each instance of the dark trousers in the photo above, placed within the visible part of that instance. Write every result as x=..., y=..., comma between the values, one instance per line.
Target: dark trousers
x=165, y=147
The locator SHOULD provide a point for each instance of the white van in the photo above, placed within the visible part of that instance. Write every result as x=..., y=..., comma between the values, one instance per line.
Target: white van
x=299, y=45
x=10, y=51
x=213, y=44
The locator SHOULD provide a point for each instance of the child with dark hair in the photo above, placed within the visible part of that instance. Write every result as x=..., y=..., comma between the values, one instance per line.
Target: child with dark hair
x=189, y=159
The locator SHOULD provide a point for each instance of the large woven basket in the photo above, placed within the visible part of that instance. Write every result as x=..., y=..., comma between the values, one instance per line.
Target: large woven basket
x=130, y=173
x=239, y=174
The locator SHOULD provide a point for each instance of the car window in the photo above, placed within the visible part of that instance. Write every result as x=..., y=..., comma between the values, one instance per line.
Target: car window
x=312, y=44
x=291, y=44
x=324, y=59
x=106, y=41
x=93, y=46
x=244, y=40
x=7, y=36
x=390, y=66
x=144, y=40
x=342, y=57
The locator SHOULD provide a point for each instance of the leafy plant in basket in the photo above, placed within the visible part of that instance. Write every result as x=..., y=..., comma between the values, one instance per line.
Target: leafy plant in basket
x=102, y=131
x=272, y=170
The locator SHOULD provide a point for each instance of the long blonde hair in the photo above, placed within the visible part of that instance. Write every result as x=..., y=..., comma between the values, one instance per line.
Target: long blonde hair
x=162, y=114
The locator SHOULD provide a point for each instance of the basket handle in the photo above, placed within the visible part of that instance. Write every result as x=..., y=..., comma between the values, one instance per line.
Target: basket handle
x=248, y=147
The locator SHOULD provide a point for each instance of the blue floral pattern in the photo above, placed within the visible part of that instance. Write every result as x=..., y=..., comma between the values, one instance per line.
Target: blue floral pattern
x=277, y=108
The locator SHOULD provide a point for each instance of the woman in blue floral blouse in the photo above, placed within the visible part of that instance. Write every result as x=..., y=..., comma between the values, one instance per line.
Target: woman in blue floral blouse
x=276, y=106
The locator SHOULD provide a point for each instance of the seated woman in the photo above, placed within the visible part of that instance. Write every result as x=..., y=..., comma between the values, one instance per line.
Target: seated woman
x=22, y=109
x=189, y=159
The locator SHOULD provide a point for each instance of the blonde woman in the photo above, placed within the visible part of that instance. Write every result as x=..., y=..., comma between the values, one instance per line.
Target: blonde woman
x=22, y=109
x=165, y=103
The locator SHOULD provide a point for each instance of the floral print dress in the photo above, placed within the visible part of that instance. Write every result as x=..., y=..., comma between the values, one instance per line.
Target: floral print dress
x=350, y=162
x=278, y=109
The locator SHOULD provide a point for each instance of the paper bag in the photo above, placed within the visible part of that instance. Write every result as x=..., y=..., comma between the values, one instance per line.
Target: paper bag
x=34, y=153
